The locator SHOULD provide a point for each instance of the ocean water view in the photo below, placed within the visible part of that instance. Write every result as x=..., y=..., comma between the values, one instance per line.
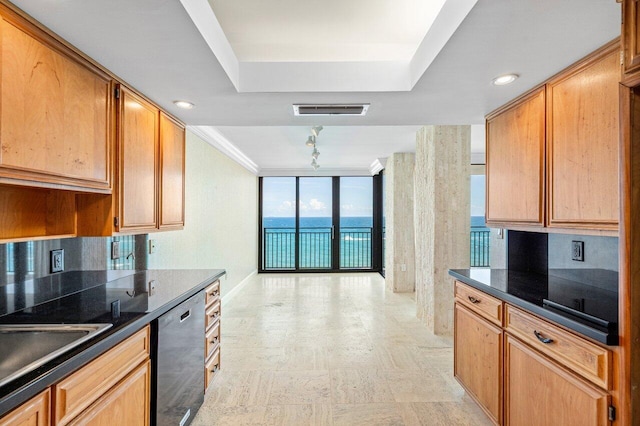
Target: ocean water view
x=355, y=233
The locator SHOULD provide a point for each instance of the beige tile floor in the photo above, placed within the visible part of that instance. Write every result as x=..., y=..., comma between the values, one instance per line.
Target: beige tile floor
x=331, y=349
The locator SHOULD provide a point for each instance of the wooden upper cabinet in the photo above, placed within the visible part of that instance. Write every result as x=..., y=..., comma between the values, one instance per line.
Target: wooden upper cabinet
x=55, y=112
x=582, y=143
x=631, y=42
x=515, y=161
x=172, y=145
x=138, y=151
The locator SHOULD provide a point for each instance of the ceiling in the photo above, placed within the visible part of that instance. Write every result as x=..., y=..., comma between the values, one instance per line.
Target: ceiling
x=302, y=31
x=156, y=46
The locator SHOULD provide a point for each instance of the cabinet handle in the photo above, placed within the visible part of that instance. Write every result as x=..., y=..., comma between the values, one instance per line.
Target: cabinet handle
x=473, y=299
x=214, y=341
x=543, y=339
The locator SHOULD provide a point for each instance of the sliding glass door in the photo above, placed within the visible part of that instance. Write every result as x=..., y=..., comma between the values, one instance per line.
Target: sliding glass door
x=356, y=222
x=319, y=224
x=315, y=230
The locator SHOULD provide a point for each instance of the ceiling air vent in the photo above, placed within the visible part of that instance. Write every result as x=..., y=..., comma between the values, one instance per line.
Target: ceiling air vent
x=330, y=109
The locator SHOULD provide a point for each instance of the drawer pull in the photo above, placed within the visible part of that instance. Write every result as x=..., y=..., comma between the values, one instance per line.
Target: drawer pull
x=215, y=368
x=214, y=341
x=543, y=339
x=473, y=299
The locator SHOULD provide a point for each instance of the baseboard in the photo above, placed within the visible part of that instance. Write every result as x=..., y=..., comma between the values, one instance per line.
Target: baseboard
x=234, y=291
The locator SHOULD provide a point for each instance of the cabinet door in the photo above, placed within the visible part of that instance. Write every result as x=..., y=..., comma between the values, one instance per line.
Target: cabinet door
x=172, y=145
x=515, y=162
x=582, y=143
x=538, y=392
x=631, y=41
x=127, y=403
x=55, y=113
x=35, y=412
x=478, y=360
x=138, y=152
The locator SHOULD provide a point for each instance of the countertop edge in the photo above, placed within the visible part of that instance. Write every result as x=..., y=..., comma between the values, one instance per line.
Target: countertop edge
x=578, y=328
x=95, y=348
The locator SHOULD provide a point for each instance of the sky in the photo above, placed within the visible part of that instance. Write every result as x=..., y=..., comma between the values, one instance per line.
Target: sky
x=477, y=195
x=279, y=194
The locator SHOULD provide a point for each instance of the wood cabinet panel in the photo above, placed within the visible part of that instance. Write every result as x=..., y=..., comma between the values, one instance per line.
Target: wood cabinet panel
x=538, y=392
x=478, y=360
x=138, y=150
x=35, y=412
x=211, y=368
x=586, y=359
x=481, y=303
x=212, y=293
x=515, y=161
x=172, y=144
x=55, y=113
x=582, y=143
x=631, y=42
x=212, y=339
x=212, y=314
x=127, y=403
x=82, y=388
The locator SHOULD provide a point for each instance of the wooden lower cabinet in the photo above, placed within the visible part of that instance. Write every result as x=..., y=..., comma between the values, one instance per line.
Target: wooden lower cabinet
x=478, y=360
x=127, y=403
x=35, y=412
x=539, y=392
x=212, y=333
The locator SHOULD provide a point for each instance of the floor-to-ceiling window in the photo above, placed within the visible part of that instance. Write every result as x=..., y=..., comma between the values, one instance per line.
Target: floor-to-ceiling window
x=320, y=224
x=479, y=231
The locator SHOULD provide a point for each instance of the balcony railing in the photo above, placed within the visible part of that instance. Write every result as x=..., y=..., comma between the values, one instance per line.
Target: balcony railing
x=479, y=247
x=315, y=248
x=355, y=248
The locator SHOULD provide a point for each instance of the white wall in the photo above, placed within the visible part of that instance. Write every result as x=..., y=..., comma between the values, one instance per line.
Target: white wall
x=221, y=218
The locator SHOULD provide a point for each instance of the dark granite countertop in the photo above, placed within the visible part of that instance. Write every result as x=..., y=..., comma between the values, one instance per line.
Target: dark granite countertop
x=86, y=297
x=585, y=301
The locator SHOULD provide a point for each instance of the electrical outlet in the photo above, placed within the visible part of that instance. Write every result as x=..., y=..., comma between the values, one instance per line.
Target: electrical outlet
x=115, y=250
x=57, y=261
x=577, y=251
x=152, y=246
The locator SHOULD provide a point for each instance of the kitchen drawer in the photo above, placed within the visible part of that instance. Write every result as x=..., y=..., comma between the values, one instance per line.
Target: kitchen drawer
x=575, y=353
x=211, y=367
x=212, y=339
x=212, y=293
x=212, y=314
x=487, y=306
x=83, y=387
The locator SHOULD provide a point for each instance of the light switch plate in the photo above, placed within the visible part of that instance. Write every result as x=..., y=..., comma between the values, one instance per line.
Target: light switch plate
x=57, y=261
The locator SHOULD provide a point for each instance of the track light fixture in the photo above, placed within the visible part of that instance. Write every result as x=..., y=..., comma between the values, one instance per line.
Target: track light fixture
x=311, y=143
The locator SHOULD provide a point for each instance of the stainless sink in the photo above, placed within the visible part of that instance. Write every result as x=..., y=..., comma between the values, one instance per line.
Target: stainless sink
x=24, y=348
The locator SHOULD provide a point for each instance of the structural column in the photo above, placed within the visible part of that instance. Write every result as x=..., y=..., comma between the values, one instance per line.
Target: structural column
x=442, y=220
x=399, y=251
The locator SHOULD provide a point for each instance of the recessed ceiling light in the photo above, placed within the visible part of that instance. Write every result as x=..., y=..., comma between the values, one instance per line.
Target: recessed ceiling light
x=184, y=104
x=504, y=79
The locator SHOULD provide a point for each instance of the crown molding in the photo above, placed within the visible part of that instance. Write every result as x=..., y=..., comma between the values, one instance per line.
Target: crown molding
x=213, y=137
x=377, y=165
x=310, y=172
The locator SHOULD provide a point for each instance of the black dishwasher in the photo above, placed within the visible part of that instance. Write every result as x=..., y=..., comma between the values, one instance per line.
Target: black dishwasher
x=180, y=363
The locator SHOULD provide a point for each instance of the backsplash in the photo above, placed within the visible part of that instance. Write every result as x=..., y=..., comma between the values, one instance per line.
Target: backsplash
x=32, y=259
x=552, y=254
